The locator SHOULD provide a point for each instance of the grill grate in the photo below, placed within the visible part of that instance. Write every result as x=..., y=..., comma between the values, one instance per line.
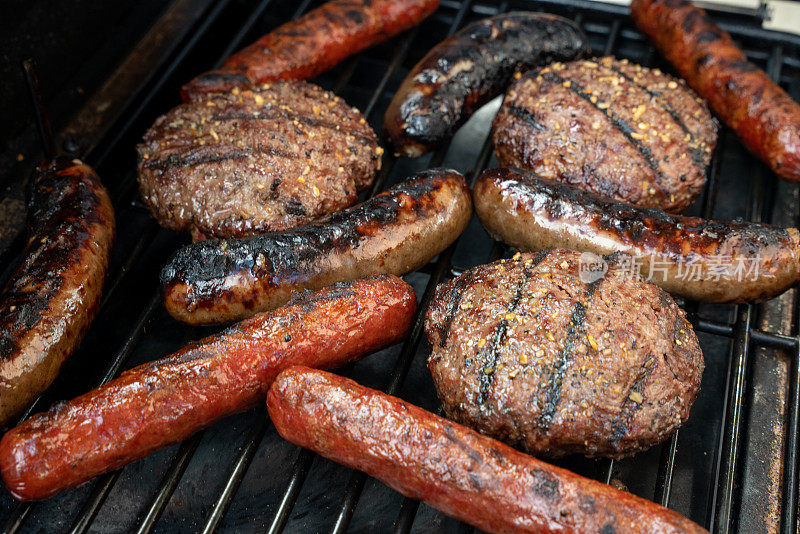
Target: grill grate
x=238, y=475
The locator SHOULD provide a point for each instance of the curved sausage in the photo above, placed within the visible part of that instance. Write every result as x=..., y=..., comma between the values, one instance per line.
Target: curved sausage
x=464, y=474
x=168, y=400
x=468, y=69
x=701, y=260
x=746, y=99
x=53, y=295
x=395, y=232
x=314, y=43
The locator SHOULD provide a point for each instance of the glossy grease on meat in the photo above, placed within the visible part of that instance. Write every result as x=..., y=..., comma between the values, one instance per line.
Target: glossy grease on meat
x=395, y=232
x=259, y=160
x=526, y=351
x=51, y=299
x=764, y=116
x=168, y=400
x=465, y=71
x=462, y=473
x=611, y=127
x=711, y=261
x=312, y=44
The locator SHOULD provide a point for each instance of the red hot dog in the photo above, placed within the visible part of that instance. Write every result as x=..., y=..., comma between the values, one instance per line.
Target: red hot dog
x=764, y=115
x=166, y=401
x=466, y=475
x=312, y=44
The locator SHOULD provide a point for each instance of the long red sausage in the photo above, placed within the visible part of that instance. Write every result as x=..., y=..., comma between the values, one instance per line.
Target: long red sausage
x=166, y=401
x=764, y=115
x=462, y=473
x=314, y=43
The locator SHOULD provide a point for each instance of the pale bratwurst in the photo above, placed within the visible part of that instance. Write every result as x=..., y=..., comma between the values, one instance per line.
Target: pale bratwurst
x=257, y=160
x=525, y=351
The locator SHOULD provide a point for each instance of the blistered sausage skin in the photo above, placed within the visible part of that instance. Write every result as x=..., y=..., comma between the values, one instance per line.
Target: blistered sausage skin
x=710, y=261
x=168, y=400
x=395, y=232
x=468, y=69
x=462, y=473
x=312, y=44
x=764, y=116
x=53, y=295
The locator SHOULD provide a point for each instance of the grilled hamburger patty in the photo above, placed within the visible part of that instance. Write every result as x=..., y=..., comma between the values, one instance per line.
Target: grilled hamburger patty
x=252, y=161
x=608, y=126
x=524, y=351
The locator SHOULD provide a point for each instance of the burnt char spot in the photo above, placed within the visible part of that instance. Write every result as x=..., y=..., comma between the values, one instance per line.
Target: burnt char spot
x=294, y=207
x=450, y=434
x=614, y=119
x=545, y=485
x=552, y=394
x=355, y=15
x=526, y=116
x=703, y=60
x=608, y=528
x=708, y=36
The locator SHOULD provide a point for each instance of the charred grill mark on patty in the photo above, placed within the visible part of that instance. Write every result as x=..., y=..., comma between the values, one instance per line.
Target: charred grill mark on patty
x=697, y=156
x=526, y=116
x=491, y=355
x=454, y=299
x=271, y=113
x=633, y=399
x=215, y=156
x=614, y=119
x=555, y=380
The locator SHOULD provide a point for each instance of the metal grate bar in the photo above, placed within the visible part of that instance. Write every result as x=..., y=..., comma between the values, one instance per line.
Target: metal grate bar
x=235, y=478
x=169, y=483
x=790, y=489
x=299, y=471
x=724, y=516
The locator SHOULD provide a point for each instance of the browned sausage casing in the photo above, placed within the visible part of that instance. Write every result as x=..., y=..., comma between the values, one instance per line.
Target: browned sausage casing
x=465, y=71
x=702, y=260
x=764, y=115
x=462, y=473
x=314, y=43
x=53, y=295
x=395, y=232
x=168, y=400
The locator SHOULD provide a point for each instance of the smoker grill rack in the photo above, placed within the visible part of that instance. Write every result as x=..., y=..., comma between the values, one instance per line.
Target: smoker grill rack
x=239, y=475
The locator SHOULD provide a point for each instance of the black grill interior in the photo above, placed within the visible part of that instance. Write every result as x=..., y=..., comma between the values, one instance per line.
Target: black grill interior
x=732, y=467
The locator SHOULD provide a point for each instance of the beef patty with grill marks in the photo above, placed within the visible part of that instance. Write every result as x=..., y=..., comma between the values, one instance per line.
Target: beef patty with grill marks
x=245, y=162
x=525, y=351
x=611, y=127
